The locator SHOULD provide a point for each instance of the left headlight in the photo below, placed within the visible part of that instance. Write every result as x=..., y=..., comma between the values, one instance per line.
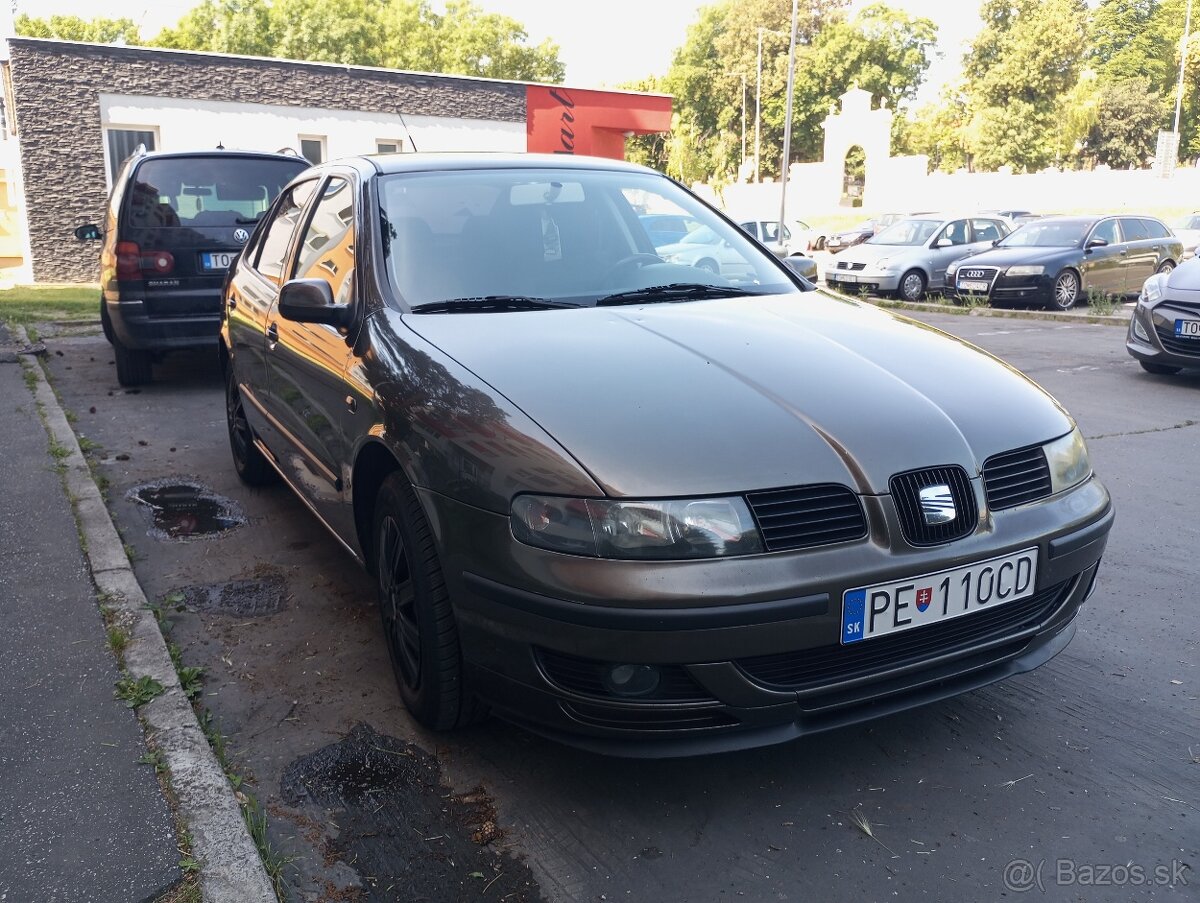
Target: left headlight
x=1068, y=459
x=1025, y=271
x=655, y=530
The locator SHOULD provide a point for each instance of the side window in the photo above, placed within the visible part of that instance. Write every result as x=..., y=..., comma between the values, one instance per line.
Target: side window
x=278, y=232
x=1133, y=229
x=955, y=231
x=327, y=251
x=1106, y=230
x=1155, y=228
x=987, y=229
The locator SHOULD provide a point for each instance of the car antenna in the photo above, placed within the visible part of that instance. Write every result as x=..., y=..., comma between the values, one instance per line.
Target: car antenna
x=220, y=146
x=411, y=140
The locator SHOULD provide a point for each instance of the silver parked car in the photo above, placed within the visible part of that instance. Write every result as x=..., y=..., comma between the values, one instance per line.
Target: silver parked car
x=910, y=257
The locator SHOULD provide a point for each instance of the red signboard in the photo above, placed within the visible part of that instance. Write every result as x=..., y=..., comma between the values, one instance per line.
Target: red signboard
x=576, y=121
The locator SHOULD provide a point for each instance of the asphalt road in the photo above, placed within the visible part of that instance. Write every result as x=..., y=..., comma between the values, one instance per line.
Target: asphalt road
x=1087, y=769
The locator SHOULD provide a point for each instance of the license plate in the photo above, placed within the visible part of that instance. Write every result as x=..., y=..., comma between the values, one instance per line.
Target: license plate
x=970, y=285
x=1187, y=329
x=886, y=608
x=846, y=277
x=219, y=260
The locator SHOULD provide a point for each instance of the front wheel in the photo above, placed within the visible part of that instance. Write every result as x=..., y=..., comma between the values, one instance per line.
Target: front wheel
x=912, y=285
x=1066, y=291
x=418, y=620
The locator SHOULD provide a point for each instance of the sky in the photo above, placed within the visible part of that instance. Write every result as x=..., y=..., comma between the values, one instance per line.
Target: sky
x=622, y=41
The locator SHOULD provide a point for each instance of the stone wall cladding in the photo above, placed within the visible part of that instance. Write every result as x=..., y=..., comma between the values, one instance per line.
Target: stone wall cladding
x=56, y=88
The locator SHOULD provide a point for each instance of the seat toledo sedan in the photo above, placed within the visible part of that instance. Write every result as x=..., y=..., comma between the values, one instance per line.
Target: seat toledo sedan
x=626, y=502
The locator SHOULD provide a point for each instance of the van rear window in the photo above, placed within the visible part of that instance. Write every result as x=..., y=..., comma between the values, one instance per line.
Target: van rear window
x=205, y=192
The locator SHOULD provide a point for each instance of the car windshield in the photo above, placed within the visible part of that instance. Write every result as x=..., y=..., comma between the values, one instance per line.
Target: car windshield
x=1042, y=234
x=526, y=239
x=1189, y=222
x=219, y=191
x=909, y=232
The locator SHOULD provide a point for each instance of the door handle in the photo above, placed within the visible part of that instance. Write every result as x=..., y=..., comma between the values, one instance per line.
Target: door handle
x=273, y=333
x=351, y=404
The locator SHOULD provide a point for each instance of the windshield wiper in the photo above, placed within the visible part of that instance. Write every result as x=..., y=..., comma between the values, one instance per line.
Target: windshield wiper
x=489, y=304
x=676, y=291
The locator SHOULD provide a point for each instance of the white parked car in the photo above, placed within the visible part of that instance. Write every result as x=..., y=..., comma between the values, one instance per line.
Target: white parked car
x=798, y=236
x=1187, y=230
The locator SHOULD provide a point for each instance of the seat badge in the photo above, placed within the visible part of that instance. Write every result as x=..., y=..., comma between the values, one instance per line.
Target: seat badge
x=937, y=505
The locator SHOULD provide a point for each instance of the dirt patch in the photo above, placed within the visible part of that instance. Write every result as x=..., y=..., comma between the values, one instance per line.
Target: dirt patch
x=389, y=817
x=238, y=598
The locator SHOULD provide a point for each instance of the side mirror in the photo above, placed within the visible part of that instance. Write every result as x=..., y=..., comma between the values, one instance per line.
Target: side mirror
x=311, y=301
x=805, y=268
x=943, y=243
x=88, y=232
x=1097, y=243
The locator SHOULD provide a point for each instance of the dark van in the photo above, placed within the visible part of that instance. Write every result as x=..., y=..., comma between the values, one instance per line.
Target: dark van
x=175, y=224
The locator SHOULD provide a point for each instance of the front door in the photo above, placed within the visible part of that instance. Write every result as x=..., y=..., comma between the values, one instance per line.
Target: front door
x=951, y=243
x=1104, y=265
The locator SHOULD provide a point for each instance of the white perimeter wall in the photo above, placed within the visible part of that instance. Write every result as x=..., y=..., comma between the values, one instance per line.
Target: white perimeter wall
x=192, y=124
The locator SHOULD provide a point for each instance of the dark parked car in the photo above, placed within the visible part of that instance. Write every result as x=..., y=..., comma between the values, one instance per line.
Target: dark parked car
x=625, y=502
x=1164, y=331
x=175, y=223
x=848, y=238
x=1056, y=261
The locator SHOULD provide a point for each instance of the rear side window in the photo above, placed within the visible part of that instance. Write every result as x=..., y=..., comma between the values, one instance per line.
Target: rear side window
x=278, y=233
x=1155, y=228
x=327, y=251
x=987, y=229
x=1134, y=229
x=200, y=193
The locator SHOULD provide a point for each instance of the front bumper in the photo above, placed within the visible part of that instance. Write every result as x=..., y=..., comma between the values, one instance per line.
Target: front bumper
x=1156, y=343
x=532, y=623
x=853, y=282
x=1005, y=290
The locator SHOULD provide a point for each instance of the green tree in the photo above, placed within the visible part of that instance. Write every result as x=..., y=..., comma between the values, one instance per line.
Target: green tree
x=473, y=42
x=1125, y=42
x=1128, y=116
x=1027, y=55
x=938, y=130
x=72, y=28
x=223, y=26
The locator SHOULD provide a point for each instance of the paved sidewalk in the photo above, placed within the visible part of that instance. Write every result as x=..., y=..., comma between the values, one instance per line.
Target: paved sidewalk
x=81, y=819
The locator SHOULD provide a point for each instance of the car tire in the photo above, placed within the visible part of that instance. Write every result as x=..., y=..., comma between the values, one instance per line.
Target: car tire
x=911, y=286
x=134, y=366
x=1165, y=267
x=418, y=620
x=1065, y=292
x=251, y=464
x=709, y=266
x=1159, y=369
x=106, y=323
x=819, y=244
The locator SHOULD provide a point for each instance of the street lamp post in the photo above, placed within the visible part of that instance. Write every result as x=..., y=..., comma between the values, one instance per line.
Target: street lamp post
x=787, y=123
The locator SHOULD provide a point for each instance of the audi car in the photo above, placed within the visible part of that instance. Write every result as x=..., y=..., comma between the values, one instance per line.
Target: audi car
x=1164, y=331
x=628, y=502
x=1056, y=261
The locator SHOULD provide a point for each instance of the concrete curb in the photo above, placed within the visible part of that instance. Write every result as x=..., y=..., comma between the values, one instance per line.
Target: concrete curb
x=231, y=869
x=1119, y=318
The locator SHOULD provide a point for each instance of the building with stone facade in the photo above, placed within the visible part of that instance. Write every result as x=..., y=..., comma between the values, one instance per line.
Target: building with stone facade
x=73, y=112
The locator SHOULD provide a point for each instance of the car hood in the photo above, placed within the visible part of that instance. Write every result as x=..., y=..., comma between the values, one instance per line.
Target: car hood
x=1004, y=257
x=1185, y=277
x=1189, y=237
x=731, y=395
x=868, y=253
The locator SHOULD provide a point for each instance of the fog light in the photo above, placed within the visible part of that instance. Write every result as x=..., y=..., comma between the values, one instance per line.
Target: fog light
x=1139, y=330
x=631, y=680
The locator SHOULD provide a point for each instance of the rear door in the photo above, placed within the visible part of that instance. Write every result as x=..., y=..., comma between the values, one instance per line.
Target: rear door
x=1141, y=254
x=185, y=220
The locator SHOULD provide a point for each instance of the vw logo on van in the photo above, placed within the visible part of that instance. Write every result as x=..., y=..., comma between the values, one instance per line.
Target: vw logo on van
x=240, y=236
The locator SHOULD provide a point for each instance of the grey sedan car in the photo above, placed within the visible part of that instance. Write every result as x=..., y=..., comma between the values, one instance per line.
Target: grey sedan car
x=910, y=257
x=623, y=501
x=1164, y=331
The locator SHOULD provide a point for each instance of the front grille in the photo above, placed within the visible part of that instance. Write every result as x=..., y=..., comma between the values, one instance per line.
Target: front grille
x=906, y=493
x=847, y=265
x=1016, y=477
x=822, y=666
x=1166, y=330
x=648, y=719
x=586, y=677
x=805, y=516
x=978, y=274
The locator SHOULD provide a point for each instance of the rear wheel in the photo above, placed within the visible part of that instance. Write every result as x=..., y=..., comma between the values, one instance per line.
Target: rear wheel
x=134, y=366
x=709, y=266
x=1159, y=369
x=418, y=621
x=1066, y=290
x=251, y=465
x=912, y=285
x=106, y=323
x=1165, y=267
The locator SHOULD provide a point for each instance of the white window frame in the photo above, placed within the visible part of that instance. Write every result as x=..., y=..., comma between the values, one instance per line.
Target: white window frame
x=106, y=127
x=323, y=140
x=399, y=142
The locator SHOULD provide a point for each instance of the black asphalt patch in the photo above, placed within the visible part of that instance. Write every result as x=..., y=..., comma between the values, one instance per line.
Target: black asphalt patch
x=238, y=598
x=183, y=509
x=399, y=827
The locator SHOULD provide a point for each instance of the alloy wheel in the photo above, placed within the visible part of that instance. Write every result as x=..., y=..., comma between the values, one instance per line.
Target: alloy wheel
x=399, y=603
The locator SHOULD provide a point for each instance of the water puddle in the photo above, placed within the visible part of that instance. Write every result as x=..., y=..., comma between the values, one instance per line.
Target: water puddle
x=181, y=509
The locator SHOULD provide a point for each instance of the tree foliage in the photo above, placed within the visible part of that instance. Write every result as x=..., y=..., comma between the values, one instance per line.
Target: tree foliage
x=72, y=28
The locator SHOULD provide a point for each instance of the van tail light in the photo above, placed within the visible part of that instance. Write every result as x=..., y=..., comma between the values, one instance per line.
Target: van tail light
x=129, y=260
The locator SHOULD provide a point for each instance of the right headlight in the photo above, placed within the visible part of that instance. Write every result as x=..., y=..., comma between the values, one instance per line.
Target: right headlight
x=1068, y=460
x=1152, y=289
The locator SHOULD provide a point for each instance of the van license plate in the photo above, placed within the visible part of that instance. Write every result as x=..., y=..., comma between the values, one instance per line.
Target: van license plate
x=886, y=608
x=220, y=260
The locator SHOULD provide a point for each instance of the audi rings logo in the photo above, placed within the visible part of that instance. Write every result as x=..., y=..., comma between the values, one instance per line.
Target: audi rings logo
x=241, y=236
x=975, y=274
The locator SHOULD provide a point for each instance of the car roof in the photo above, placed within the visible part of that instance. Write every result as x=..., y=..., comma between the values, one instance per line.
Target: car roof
x=387, y=164
x=221, y=152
